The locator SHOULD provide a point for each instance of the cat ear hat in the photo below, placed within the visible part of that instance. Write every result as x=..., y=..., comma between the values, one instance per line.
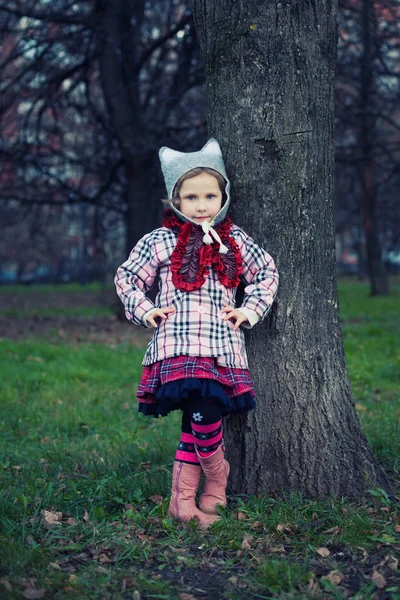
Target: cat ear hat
x=174, y=164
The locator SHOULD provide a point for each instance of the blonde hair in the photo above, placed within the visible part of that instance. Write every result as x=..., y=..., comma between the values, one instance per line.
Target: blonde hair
x=176, y=199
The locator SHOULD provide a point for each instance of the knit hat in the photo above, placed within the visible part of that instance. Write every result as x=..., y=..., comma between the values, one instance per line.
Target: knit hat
x=174, y=164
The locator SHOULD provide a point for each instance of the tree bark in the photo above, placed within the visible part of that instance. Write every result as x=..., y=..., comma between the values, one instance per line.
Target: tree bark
x=270, y=70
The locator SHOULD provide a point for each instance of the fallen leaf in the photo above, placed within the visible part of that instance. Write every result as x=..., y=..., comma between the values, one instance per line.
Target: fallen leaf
x=397, y=528
x=257, y=525
x=313, y=585
x=156, y=498
x=241, y=516
x=392, y=562
x=378, y=580
x=233, y=580
x=144, y=466
x=285, y=528
x=333, y=530
x=55, y=565
x=71, y=521
x=185, y=596
x=35, y=359
x=4, y=581
x=277, y=549
x=334, y=577
x=323, y=552
x=103, y=558
x=360, y=407
x=50, y=519
x=247, y=541
x=33, y=594
x=86, y=516
x=102, y=570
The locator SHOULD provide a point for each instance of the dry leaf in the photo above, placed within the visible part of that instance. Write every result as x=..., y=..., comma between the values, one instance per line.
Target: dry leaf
x=144, y=466
x=4, y=581
x=55, y=565
x=136, y=595
x=156, y=498
x=86, y=516
x=50, y=519
x=334, y=577
x=126, y=583
x=397, y=528
x=313, y=585
x=392, y=562
x=277, y=549
x=323, y=552
x=360, y=407
x=35, y=359
x=33, y=594
x=185, y=596
x=284, y=528
x=257, y=525
x=333, y=530
x=247, y=541
x=103, y=558
x=241, y=516
x=233, y=580
x=378, y=580
x=102, y=570
x=71, y=521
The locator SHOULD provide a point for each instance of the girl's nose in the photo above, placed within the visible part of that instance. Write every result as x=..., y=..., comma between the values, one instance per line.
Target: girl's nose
x=202, y=207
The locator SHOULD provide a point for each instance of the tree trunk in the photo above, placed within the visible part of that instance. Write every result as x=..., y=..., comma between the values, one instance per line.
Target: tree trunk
x=121, y=85
x=376, y=269
x=270, y=80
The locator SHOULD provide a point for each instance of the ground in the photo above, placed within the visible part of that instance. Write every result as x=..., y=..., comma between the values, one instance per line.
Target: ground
x=84, y=479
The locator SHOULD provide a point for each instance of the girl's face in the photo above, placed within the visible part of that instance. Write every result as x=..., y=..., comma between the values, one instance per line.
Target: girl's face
x=200, y=197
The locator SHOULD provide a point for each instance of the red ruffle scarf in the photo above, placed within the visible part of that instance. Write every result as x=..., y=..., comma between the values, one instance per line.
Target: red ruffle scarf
x=192, y=258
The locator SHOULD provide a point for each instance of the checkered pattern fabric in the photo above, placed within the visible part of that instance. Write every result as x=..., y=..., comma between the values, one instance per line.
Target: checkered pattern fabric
x=235, y=381
x=197, y=327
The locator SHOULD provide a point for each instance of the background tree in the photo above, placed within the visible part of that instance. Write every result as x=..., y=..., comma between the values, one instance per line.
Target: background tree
x=273, y=64
x=91, y=90
x=368, y=129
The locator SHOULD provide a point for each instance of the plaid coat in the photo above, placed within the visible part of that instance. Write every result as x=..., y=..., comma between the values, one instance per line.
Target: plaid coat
x=197, y=327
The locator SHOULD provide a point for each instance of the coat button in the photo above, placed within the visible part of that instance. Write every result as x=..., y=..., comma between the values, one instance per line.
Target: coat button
x=249, y=289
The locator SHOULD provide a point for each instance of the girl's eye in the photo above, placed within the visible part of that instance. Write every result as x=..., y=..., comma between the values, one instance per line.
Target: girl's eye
x=210, y=196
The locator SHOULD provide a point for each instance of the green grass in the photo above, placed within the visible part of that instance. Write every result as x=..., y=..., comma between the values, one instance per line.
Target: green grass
x=50, y=287
x=72, y=441
x=72, y=311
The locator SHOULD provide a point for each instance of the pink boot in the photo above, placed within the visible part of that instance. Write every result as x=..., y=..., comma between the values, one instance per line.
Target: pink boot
x=216, y=470
x=185, y=481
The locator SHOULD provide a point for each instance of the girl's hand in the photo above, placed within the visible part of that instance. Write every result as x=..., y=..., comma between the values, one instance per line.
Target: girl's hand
x=233, y=313
x=160, y=313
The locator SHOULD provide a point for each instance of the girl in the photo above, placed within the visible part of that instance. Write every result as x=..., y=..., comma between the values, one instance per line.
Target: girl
x=196, y=361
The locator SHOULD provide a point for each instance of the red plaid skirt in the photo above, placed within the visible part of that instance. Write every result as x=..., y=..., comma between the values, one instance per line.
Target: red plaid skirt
x=166, y=385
